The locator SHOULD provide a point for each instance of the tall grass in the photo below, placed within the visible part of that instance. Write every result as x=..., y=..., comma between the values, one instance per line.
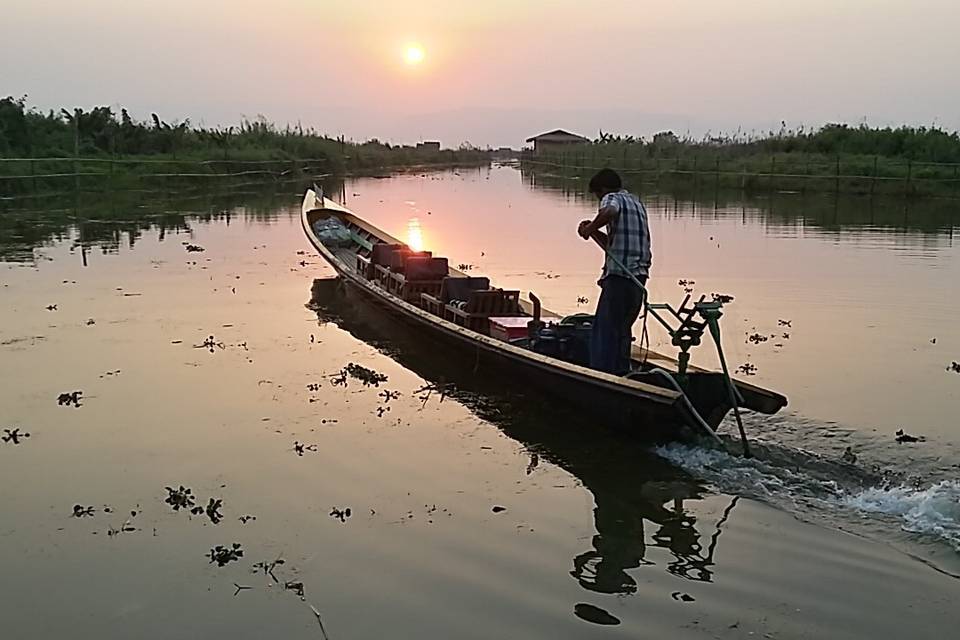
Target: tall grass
x=100, y=132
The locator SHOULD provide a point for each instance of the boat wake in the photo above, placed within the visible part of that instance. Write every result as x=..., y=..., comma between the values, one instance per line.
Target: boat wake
x=930, y=511
x=814, y=487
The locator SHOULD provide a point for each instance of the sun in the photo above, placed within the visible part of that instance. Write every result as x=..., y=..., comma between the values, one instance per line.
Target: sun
x=414, y=54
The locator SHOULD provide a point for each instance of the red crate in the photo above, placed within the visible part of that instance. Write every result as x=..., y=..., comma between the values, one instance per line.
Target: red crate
x=508, y=328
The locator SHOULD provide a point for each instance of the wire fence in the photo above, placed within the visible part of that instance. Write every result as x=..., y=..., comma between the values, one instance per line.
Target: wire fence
x=800, y=172
x=33, y=168
x=22, y=178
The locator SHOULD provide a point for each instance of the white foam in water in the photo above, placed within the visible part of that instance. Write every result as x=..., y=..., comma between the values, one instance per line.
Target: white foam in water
x=932, y=511
x=752, y=477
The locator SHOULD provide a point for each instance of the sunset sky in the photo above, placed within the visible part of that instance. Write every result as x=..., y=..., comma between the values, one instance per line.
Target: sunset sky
x=492, y=72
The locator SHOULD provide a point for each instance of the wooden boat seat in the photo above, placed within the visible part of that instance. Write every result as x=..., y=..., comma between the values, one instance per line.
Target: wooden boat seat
x=381, y=257
x=422, y=274
x=481, y=305
x=382, y=251
x=381, y=274
x=364, y=267
x=390, y=263
x=452, y=288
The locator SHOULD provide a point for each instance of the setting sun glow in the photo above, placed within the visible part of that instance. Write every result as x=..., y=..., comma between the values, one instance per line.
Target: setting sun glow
x=414, y=54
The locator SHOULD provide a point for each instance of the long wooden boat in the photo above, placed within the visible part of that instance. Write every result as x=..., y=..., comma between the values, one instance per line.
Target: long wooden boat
x=650, y=407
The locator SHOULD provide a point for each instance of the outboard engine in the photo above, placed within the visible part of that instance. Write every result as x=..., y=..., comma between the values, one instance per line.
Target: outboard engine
x=567, y=340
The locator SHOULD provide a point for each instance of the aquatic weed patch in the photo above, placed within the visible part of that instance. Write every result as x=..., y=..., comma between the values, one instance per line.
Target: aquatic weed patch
x=71, y=398
x=181, y=498
x=222, y=555
x=300, y=448
x=210, y=343
x=13, y=436
x=368, y=377
x=340, y=514
x=80, y=511
x=213, y=510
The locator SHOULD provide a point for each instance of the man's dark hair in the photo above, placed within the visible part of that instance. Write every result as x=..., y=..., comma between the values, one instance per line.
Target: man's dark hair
x=605, y=180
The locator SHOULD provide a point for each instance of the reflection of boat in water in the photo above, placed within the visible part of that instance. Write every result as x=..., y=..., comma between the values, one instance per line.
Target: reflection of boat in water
x=494, y=330
x=638, y=495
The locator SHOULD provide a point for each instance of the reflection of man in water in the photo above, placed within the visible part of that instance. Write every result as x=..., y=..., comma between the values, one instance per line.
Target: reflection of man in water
x=620, y=546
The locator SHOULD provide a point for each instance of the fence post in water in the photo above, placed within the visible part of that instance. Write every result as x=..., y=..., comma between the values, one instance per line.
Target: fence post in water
x=836, y=186
x=33, y=174
x=873, y=182
x=717, y=173
x=640, y=169
x=954, y=190
x=696, y=176
x=906, y=186
x=76, y=148
x=773, y=168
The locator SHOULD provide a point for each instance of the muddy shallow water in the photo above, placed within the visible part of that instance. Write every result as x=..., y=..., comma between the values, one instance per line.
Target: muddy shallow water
x=474, y=510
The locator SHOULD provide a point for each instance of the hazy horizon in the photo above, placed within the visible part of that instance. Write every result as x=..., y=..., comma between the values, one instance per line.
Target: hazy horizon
x=497, y=73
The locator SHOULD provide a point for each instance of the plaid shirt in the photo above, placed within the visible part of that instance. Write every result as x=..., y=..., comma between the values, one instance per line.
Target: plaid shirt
x=629, y=235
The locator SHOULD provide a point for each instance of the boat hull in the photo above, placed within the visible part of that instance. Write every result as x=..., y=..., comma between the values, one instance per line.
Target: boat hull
x=474, y=369
x=646, y=411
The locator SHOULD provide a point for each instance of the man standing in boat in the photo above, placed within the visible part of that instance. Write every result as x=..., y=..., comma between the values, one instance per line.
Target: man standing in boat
x=627, y=245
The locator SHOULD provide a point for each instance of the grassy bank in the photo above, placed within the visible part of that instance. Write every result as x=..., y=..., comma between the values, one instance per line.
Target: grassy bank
x=100, y=149
x=912, y=161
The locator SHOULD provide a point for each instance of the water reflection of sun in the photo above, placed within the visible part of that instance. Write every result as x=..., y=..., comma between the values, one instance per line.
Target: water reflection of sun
x=414, y=234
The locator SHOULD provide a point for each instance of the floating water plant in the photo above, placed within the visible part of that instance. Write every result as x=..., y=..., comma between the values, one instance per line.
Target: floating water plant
x=368, y=377
x=70, y=398
x=223, y=555
x=300, y=448
x=213, y=511
x=747, y=369
x=13, y=436
x=80, y=511
x=181, y=498
x=340, y=514
x=209, y=343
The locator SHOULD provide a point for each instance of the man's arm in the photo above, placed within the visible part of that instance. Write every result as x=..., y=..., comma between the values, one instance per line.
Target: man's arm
x=591, y=228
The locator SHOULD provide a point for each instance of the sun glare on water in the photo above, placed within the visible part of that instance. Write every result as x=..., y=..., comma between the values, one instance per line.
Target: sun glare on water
x=414, y=55
x=414, y=235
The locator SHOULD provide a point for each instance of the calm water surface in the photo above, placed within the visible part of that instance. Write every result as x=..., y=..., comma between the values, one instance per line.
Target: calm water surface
x=592, y=529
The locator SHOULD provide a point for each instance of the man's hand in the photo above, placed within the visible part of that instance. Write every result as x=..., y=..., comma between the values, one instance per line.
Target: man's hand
x=584, y=229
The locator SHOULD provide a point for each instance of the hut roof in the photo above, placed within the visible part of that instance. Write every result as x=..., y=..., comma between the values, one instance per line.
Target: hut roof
x=558, y=135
